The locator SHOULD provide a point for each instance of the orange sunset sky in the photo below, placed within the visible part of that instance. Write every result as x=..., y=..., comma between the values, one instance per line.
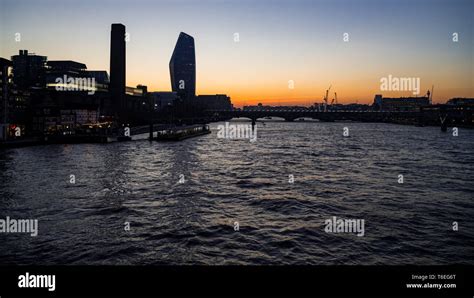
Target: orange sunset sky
x=278, y=41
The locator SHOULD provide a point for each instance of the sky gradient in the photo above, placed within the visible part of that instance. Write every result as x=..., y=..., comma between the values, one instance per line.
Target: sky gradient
x=279, y=41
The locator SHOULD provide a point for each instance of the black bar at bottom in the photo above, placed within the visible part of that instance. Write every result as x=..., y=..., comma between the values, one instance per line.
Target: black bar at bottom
x=290, y=281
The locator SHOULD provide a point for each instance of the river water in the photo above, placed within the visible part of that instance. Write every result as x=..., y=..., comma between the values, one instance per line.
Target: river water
x=236, y=204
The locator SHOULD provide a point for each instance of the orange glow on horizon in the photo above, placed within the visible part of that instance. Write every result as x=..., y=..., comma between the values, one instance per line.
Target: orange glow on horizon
x=278, y=93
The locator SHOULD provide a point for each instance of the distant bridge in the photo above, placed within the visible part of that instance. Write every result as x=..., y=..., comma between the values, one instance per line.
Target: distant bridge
x=432, y=115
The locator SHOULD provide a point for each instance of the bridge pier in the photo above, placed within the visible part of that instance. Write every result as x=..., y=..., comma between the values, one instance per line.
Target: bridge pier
x=151, y=132
x=421, y=117
x=254, y=121
x=443, y=118
x=444, y=125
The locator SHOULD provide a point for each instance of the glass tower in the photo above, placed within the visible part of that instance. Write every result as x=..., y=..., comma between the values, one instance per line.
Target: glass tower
x=183, y=67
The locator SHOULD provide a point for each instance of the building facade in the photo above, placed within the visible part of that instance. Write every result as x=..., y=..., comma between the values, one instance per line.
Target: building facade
x=163, y=100
x=101, y=78
x=183, y=67
x=400, y=103
x=461, y=101
x=5, y=66
x=118, y=70
x=29, y=70
x=215, y=102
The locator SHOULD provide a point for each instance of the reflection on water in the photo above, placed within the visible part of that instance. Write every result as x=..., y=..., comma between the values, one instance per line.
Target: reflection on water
x=235, y=180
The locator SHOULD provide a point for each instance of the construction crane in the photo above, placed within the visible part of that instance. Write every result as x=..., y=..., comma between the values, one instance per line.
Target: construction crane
x=334, y=99
x=326, y=98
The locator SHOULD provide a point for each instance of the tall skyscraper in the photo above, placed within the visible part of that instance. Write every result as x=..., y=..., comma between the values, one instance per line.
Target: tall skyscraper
x=117, y=69
x=183, y=67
